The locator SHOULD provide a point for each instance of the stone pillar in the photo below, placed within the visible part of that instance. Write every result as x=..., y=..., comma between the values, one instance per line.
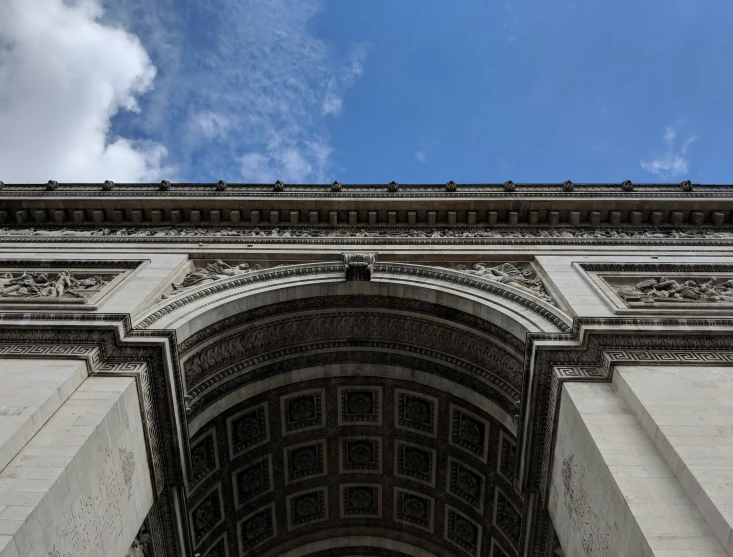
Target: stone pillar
x=641, y=465
x=75, y=479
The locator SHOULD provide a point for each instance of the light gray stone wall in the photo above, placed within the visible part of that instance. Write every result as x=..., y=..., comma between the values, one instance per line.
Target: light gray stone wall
x=81, y=486
x=31, y=391
x=611, y=491
x=687, y=412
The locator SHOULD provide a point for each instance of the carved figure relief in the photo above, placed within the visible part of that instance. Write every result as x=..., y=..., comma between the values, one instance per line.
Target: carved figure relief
x=658, y=288
x=667, y=289
x=364, y=232
x=211, y=272
x=513, y=275
x=64, y=284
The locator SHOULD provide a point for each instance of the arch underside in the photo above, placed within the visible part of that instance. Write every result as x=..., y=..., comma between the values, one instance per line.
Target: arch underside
x=353, y=415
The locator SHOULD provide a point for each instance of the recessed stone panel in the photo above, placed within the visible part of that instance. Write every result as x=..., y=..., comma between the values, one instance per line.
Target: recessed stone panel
x=416, y=412
x=507, y=517
x=469, y=432
x=307, y=507
x=413, y=508
x=507, y=457
x=219, y=548
x=207, y=514
x=496, y=550
x=248, y=429
x=361, y=500
x=415, y=462
x=462, y=531
x=256, y=528
x=304, y=461
x=204, y=457
x=252, y=480
x=466, y=483
x=302, y=411
x=361, y=454
x=360, y=405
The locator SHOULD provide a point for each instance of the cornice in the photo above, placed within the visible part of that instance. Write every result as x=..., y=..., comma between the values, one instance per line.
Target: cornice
x=319, y=210
x=66, y=189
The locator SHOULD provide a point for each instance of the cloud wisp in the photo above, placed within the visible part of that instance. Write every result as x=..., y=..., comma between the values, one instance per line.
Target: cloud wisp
x=248, y=99
x=675, y=160
x=63, y=75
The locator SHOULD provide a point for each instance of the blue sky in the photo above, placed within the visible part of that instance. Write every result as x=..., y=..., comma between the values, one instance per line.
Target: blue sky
x=371, y=90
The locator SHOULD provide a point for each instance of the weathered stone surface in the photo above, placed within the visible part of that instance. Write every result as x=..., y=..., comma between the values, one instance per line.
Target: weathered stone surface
x=340, y=370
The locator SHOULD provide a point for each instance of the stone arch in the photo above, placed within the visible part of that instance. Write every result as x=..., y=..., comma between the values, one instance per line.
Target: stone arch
x=388, y=405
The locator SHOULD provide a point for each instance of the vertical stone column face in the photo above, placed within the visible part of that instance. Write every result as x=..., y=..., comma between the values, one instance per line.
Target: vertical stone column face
x=81, y=486
x=611, y=491
x=688, y=414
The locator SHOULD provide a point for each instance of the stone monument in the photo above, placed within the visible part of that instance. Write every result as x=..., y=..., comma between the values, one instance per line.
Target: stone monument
x=461, y=370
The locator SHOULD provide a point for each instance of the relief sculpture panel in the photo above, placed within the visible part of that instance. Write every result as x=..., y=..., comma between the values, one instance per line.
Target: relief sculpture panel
x=663, y=289
x=75, y=284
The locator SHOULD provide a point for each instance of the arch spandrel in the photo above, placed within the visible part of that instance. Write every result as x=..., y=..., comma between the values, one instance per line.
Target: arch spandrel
x=437, y=360
x=502, y=304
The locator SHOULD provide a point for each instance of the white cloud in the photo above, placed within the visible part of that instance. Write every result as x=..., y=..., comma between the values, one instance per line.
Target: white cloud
x=421, y=156
x=63, y=75
x=674, y=161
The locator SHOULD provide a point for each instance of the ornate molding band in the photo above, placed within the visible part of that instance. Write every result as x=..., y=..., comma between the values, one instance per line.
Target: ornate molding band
x=541, y=308
x=341, y=235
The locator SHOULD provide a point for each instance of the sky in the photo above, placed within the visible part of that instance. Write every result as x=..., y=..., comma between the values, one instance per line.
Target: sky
x=366, y=91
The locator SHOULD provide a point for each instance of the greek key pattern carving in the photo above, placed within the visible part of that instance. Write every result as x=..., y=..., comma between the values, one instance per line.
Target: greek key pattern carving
x=89, y=353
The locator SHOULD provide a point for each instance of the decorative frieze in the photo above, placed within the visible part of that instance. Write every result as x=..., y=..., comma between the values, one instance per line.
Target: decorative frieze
x=357, y=234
